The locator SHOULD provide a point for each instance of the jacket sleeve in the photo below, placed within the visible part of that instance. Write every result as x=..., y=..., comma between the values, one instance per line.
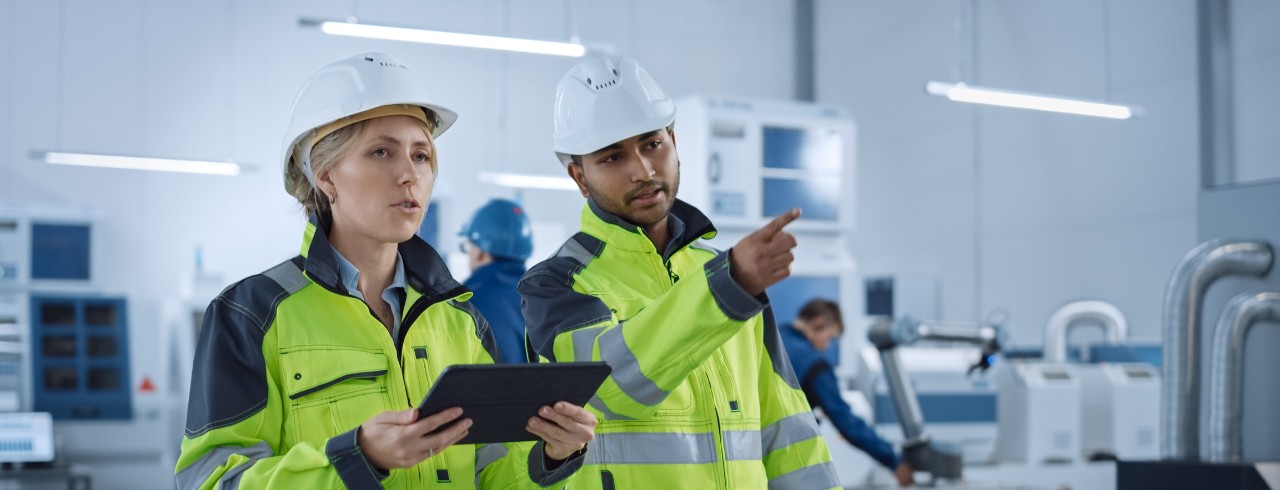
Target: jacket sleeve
x=795, y=453
x=822, y=383
x=652, y=352
x=235, y=414
x=512, y=464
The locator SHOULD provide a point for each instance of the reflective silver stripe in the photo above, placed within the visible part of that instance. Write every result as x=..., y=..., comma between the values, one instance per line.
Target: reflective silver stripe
x=598, y=404
x=195, y=475
x=652, y=448
x=626, y=369
x=575, y=250
x=742, y=445
x=584, y=339
x=789, y=430
x=486, y=454
x=808, y=478
x=288, y=276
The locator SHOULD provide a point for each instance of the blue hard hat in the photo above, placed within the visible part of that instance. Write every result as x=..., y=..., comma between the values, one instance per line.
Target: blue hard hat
x=501, y=228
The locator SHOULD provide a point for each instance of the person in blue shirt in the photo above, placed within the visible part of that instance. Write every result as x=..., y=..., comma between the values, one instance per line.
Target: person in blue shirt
x=806, y=340
x=497, y=241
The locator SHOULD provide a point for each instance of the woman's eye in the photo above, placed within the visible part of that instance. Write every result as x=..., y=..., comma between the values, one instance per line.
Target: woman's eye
x=422, y=157
x=380, y=152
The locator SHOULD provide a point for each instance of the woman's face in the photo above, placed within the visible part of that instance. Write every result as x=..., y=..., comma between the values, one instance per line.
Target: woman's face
x=382, y=184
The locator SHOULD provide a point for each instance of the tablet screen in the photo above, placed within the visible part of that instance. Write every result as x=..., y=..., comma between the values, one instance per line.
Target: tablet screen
x=500, y=398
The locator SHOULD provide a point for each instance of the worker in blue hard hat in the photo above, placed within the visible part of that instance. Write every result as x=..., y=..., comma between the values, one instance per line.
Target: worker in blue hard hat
x=497, y=241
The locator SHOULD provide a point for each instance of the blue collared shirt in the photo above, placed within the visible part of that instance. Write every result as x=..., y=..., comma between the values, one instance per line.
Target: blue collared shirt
x=394, y=294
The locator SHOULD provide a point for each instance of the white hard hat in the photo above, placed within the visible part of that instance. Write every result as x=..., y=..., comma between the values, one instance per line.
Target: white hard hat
x=605, y=100
x=348, y=87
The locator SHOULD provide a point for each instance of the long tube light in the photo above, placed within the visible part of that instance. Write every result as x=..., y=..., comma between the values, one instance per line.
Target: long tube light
x=1006, y=98
x=446, y=38
x=526, y=181
x=140, y=163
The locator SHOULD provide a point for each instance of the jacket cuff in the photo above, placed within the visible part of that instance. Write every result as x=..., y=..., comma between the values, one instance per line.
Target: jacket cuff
x=539, y=473
x=735, y=302
x=354, y=469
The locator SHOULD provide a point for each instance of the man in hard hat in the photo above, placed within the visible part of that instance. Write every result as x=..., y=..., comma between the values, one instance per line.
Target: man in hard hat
x=497, y=241
x=818, y=323
x=701, y=394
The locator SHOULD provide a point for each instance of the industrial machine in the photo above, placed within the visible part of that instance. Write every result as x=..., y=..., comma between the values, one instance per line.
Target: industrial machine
x=942, y=461
x=1119, y=408
x=1039, y=413
x=745, y=161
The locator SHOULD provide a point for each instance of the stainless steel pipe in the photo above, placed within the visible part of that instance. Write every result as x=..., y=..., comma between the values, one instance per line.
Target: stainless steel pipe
x=1183, y=307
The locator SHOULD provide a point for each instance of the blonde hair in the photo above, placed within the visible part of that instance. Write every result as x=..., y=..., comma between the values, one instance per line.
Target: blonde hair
x=328, y=152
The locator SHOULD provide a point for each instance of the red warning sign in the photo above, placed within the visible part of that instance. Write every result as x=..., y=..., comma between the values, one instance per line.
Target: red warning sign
x=147, y=386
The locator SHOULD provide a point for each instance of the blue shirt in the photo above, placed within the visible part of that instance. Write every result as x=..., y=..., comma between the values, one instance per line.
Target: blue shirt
x=494, y=285
x=394, y=294
x=818, y=380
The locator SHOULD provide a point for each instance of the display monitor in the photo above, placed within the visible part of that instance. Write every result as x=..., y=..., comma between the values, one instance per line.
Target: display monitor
x=60, y=251
x=802, y=169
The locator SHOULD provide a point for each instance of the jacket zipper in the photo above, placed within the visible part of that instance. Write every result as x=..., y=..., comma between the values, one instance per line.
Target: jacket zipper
x=721, y=453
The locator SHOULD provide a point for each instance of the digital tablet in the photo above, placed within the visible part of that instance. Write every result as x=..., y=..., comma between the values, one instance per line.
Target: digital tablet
x=500, y=398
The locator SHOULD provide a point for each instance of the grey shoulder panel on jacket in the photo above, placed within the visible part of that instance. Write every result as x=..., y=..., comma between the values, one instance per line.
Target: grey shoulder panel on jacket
x=229, y=377
x=548, y=301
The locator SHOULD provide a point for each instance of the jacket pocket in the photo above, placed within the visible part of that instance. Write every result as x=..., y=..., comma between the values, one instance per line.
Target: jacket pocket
x=333, y=389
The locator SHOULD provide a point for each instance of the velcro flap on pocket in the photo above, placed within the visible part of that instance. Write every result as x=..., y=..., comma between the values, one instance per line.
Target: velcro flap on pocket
x=314, y=368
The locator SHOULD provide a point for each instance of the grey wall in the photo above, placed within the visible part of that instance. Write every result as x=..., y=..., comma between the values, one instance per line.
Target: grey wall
x=1247, y=211
x=1015, y=209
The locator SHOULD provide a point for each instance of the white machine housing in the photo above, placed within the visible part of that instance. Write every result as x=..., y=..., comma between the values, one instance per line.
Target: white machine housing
x=732, y=150
x=1038, y=413
x=1120, y=412
x=26, y=437
x=17, y=221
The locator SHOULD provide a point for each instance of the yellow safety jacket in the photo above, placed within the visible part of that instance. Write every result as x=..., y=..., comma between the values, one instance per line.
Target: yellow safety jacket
x=701, y=394
x=289, y=365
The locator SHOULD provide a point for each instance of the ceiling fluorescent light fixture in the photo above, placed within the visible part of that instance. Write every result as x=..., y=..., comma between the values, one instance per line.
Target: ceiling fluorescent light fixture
x=981, y=95
x=139, y=163
x=353, y=29
x=525, y=181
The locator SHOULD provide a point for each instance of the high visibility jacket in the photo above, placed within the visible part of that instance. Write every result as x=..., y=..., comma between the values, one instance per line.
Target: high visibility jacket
x=701, y=394
x=289, y=365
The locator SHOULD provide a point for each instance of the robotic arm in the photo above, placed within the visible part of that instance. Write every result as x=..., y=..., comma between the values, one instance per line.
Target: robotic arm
x=939, y=460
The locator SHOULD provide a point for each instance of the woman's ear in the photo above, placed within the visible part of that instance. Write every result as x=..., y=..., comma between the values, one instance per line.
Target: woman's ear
x=324, y=182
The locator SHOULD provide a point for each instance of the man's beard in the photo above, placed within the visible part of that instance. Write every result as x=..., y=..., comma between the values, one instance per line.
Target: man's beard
x=620, y=209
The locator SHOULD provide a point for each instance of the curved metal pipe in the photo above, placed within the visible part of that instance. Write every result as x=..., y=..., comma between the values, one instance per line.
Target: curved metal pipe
x=1183, y=304
x=1076, y=313
x=1226, y=375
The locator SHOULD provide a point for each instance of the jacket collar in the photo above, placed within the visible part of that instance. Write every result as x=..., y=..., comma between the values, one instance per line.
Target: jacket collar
x=424, y=270
x=686, y=222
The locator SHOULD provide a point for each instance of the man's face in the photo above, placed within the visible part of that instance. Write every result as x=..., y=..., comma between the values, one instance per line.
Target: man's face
x=822, y=331
x=635, y=179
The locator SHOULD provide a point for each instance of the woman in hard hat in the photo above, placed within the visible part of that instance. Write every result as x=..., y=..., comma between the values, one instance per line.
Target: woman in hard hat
x=306, y=375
